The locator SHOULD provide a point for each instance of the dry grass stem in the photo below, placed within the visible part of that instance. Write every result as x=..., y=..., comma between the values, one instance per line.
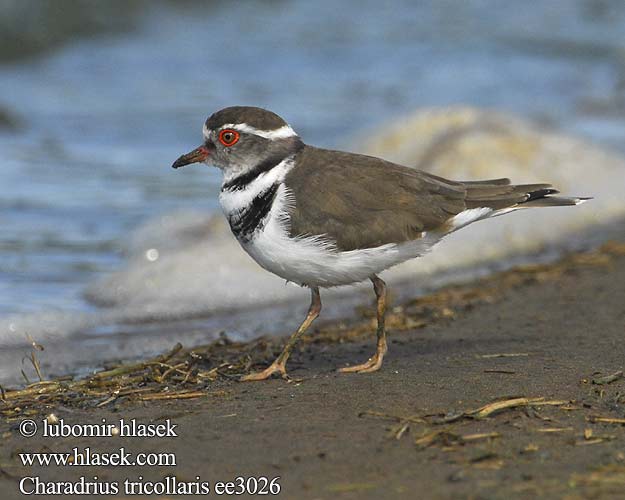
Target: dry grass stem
x=175, y=395
x=555, y=429
x=504, y=355
x=606, y=420
x=608, y=379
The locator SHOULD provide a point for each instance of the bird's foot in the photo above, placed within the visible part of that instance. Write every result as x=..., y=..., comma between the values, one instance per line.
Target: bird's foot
x=275, y=367
x=373, y=364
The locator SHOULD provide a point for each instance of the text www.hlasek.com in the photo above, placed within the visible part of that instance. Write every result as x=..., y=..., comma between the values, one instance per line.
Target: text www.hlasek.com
x=88, y=458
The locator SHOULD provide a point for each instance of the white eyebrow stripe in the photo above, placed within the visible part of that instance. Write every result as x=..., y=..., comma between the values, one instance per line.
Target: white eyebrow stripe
x=205, y=131
x=279, y=133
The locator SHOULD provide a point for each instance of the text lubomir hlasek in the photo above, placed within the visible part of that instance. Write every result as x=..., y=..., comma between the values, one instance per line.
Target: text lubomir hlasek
x=122, y=428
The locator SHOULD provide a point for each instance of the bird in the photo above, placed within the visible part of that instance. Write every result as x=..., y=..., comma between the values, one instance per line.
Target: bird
x=322, y=218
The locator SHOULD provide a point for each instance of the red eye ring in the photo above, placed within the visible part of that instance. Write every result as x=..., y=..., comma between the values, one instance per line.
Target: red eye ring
x=229, y=137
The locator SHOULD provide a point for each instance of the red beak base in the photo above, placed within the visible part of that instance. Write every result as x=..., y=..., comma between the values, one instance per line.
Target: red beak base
x=196, y=156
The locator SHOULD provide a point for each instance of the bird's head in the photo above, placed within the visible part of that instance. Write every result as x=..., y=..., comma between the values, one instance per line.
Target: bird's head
x=238, y=138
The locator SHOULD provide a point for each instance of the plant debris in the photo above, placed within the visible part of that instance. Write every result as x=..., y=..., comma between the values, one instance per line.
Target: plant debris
x=608, y=379
x=505, y=355
x=606, y=420
x=497, y=406
x=177, y=374
x=555, y=429
x=448, y=438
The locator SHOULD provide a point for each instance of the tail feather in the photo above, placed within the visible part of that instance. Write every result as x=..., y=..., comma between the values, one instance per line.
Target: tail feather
x=503, y=197
x=504, y=181
x=554, y=201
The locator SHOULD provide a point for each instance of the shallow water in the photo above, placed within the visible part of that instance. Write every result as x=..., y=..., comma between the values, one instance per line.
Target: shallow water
x=86, y=182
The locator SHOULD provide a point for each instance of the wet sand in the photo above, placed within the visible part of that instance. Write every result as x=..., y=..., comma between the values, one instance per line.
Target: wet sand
x=409, y=431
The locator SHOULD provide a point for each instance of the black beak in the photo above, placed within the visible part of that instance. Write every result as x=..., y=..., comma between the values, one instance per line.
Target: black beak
x=196, y=156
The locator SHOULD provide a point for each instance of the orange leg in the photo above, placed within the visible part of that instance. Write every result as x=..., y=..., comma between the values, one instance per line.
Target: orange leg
x=374, y=362
x=279, y=365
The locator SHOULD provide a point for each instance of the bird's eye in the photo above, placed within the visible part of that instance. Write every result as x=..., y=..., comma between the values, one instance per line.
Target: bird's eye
x=228, y=137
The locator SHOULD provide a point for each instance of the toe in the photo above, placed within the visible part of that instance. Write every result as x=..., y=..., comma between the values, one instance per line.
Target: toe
x=371, y=365
x=265, y=374
x=254, y=376
x=373, y=368
x=356, y=368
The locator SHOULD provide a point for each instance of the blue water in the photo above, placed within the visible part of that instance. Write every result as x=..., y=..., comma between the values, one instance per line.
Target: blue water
x=104, y=117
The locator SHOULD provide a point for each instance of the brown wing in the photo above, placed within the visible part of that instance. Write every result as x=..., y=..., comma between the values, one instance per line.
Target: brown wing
x=363, y=202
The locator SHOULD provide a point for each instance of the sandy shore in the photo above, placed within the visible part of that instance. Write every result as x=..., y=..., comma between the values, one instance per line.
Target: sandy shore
x=414, y=429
